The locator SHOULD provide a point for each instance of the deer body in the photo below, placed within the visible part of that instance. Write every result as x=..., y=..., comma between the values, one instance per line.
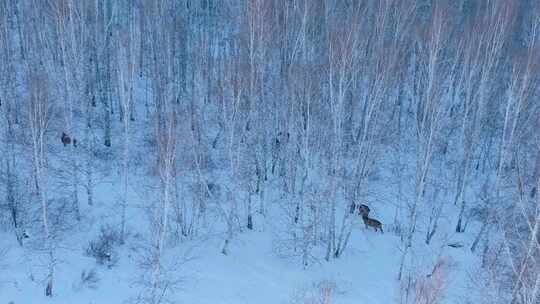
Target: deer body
x=370, y=222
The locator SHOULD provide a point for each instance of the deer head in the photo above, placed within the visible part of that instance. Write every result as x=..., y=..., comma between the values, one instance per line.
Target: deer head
x=363, y=210
x=66, y=140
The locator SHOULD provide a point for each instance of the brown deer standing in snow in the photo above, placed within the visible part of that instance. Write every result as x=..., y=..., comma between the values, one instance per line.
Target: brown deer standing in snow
x=370, y=222
x=363, y=210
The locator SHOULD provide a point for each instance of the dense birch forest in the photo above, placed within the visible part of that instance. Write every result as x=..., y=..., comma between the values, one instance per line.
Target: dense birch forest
x=162, y=124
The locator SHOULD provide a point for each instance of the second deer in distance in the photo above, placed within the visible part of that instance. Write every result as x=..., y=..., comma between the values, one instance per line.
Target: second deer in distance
x=66, y=140
x=363, y=210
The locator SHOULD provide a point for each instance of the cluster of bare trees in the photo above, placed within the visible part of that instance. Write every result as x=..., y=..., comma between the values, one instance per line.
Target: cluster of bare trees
x=292, y=109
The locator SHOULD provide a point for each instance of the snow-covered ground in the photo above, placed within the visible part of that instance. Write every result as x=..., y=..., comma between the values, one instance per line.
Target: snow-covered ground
x=251, y=273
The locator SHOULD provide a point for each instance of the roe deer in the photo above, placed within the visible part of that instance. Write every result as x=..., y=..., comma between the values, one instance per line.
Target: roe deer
x=363, y=210
x=66, y=140
x=370, y=222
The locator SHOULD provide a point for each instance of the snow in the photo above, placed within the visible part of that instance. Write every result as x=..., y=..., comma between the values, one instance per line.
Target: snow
x=251, y=273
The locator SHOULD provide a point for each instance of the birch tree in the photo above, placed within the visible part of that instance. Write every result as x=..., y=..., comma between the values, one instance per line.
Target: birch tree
x=428, y=114
x=375, y=78
x=522, y=255
x=342, y=42
x=481, y=56
x=39, y=115
x=160, y=283
x=126, y=62
x=69, y=17
x=7, y=92
x=496, y=24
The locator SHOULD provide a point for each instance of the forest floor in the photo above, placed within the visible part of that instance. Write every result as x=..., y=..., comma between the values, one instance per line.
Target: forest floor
x=251, y=273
